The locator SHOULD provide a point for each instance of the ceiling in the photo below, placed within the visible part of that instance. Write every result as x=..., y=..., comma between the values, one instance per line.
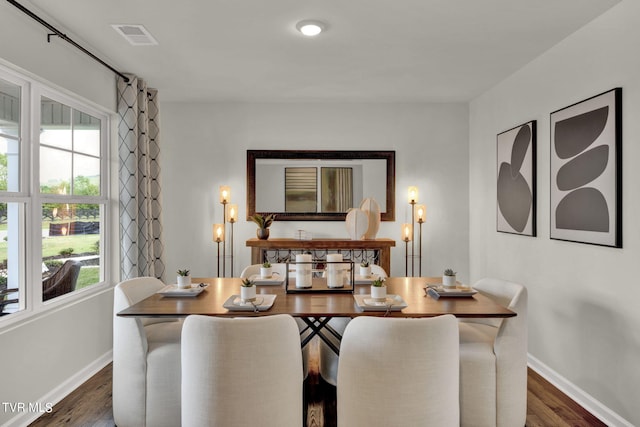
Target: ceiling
x=372, y=50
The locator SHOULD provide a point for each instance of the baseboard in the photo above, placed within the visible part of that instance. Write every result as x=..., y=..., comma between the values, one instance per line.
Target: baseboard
x=581, y=397
x=62, y=391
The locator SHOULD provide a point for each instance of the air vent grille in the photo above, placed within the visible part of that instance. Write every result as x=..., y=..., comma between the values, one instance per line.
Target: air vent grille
x=136, y=35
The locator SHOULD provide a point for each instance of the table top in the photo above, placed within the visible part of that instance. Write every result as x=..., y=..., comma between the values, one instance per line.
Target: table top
x=411, y=289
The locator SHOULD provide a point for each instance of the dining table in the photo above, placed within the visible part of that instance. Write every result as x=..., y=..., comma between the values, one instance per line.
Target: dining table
x=315, y=309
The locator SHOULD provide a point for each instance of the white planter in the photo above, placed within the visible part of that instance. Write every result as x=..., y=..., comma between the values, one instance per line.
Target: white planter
x=449, y=281
x=365, y=271
x=378, y=293
x=266, y=272
x=248, y=293
x=184, y=282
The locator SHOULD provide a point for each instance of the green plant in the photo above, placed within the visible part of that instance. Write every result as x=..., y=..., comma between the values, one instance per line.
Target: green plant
x=266, y=264
x=364, y=263
x=183, y=273
x=247, y=283
x=378, y=282
x=66, y=251
x=263, y=221
x=449, y=272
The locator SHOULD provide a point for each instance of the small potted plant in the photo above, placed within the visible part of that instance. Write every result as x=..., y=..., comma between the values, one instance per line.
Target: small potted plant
x=263, y=222
x=365, y=268
x=266, y=270
x=449, y=278
x=378, y=290
x=247, y=290
x=184, y=279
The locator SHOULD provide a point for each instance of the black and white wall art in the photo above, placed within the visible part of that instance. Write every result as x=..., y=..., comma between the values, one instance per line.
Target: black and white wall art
x=586, y=144
x=516, y=185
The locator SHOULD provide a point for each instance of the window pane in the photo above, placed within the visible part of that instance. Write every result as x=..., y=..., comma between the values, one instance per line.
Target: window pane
x=9, y=109
x=11, y=249
x=55, y=171
x=55, y=124
x=9, y=164
x=70, y=247
x=86, y=175
x=86, y=133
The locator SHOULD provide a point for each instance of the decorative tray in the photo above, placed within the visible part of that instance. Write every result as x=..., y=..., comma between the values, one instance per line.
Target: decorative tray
x=437, y=291
x=364, y=280
x=392, y=303
x=174, y=291
x=274, y=279
x=263, y=302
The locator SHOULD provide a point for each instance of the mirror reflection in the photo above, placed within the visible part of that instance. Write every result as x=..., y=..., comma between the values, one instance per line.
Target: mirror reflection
x=318, y=185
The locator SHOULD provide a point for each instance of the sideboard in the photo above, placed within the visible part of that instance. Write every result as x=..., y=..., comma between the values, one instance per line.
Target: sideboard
x=377, y=251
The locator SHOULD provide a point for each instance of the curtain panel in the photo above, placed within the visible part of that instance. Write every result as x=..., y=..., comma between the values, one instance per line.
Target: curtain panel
x=141, y=245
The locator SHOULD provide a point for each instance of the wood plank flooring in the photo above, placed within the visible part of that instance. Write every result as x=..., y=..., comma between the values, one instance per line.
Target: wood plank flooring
x=90, y=404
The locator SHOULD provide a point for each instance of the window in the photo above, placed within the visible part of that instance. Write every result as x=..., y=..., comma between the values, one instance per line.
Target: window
x=53, y=208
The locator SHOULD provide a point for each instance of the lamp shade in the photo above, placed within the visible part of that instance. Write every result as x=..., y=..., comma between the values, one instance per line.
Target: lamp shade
x=225, y=194
x=232, y=212
x=218, y=233
x=412, y=194
x=406, y=232
x=421, y=213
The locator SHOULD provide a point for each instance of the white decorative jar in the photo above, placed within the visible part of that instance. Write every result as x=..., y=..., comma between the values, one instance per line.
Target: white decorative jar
x=449, y=281
x=247, y=293
x=379, y=293
x=266, y=272
x=184, y=282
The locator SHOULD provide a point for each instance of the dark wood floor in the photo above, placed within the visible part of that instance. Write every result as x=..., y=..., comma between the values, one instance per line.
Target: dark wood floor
x=90, y=404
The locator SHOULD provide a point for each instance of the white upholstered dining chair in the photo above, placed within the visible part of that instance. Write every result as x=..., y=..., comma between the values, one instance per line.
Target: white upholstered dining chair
x=146, y=361
x=493, y=361
x=252, y=269
x=241, y=372
x=399, y=372
x=328, y=359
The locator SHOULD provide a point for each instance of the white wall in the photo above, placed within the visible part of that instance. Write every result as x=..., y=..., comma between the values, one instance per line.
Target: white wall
x=204, y=146
x=47, y=356
x=584, y=322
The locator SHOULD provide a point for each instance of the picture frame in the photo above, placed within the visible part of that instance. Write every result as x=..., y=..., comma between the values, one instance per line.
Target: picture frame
x=516, y=180
x=586, y=171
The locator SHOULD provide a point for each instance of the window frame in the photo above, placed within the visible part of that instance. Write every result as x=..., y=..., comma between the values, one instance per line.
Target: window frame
x=32, y=91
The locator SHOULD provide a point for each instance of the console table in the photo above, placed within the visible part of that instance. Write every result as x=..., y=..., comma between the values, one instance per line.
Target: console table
x=279, y=250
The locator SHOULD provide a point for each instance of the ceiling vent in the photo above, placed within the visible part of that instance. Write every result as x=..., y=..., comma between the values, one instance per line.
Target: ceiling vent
x=137, y=35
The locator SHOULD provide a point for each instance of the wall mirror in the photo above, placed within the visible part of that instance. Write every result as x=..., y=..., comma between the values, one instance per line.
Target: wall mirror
x=319, y=185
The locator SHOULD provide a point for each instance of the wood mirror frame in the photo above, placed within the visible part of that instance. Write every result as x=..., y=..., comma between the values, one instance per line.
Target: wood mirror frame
x=388, y=156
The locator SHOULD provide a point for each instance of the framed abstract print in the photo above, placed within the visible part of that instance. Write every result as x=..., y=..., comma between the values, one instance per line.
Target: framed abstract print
x=516, y=184
x=585, y=167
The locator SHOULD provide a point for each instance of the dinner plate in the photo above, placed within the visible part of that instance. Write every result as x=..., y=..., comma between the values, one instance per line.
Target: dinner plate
x=175, y=291
x=274, y=279
x=263, y=302
x=391, y=303
x=364, y=280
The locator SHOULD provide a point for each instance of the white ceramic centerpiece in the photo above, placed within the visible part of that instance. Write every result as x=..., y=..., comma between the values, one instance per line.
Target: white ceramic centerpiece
x=449, y=278
x=266, y=271
x=247, y=290
x=183, y=279
x=378, y=290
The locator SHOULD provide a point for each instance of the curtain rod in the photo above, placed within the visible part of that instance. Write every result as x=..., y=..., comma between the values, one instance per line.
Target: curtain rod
x=64, y=37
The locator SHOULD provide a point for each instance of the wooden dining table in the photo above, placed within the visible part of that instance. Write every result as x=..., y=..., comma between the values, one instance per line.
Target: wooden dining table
x=317, y=308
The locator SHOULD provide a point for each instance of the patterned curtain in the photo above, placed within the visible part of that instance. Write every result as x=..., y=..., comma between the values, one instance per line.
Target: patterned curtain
x=142, y=250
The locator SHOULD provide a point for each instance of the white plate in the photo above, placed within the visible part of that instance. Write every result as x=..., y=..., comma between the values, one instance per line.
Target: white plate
x=174, y=291
x=392, y=303
x=263, y=302
x=275, y=279
x=364, y=280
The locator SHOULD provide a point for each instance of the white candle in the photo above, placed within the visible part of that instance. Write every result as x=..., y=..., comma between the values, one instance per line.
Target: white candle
x=303, y=271
x=334, y=271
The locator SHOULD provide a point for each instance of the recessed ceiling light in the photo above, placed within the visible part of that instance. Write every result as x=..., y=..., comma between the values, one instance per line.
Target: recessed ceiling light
x=310, y=28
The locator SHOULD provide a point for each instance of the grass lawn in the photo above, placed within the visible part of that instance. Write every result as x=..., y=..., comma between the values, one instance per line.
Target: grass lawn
x=52, y=246
x=89, y=275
